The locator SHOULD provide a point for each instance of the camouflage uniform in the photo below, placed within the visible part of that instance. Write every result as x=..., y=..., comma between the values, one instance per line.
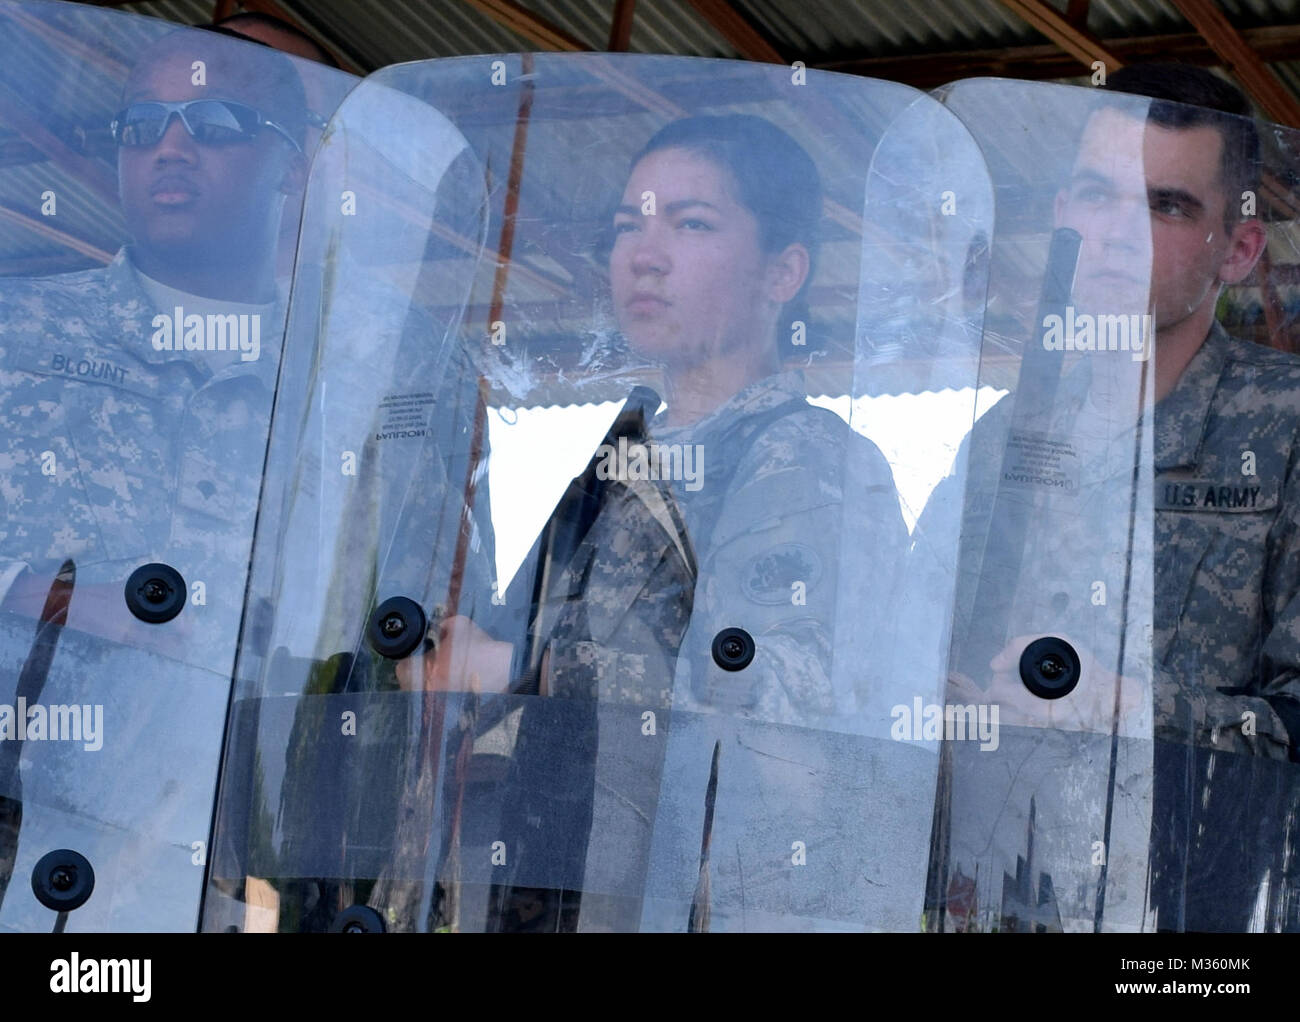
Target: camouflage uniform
x=800, y=498
x=1215, y=574
x=1227, y=638
x=1227, y=622
x=605, y=596
x=156, y=454
x=115, y=455
x=802, y=545
x=782, y=484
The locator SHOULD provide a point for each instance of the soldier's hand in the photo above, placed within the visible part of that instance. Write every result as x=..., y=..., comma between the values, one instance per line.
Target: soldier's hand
x=464, y=659
x=1091, y=706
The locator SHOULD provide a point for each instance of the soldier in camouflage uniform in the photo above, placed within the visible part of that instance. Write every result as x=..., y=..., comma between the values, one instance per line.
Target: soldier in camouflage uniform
x=1223, y=654
x=772, y=534
x=750, y=533
x=123, y=448
x=154, y=451
x=768, y=459
x=1227, y=638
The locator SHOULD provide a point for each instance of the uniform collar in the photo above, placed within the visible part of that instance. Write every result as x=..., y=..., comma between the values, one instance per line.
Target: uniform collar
x=130, y=311
x=1180, y=418
x=761, y=396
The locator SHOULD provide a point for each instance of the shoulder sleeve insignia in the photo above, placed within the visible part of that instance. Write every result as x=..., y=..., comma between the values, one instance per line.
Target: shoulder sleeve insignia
x=770, y=577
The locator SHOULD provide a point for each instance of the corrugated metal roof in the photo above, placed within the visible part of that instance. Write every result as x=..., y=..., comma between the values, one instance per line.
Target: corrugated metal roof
x=811, y=30
x=371, y=34
x=1117, y=18
x=376, y=33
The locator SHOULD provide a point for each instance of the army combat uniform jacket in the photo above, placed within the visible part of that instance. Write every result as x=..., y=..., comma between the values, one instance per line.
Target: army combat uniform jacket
x=1226, y=551
x=116, y=454
x=1227, y=640
x=1205, y=639
x=1227, y=608
x=784, y=495
x=790, y=528
x=801, y=539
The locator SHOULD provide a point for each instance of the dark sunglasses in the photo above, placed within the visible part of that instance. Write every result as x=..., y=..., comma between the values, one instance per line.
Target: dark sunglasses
x=209, y=122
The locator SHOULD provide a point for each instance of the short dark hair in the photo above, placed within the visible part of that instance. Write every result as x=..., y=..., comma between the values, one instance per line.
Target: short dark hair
x=777, y=180
x=1185, y=96
x=229, y=24
x=284, y=98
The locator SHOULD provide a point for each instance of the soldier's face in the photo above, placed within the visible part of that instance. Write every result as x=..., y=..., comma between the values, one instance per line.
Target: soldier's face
x=688, y=281
x=1150, y=205
x=184, y=198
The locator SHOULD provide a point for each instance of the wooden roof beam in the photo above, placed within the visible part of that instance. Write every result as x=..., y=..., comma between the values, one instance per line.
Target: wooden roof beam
x=1073, y=39
x=1272, y=96
x=737, y=30
x=40, y=227
x=530, y=26
x=620, y=30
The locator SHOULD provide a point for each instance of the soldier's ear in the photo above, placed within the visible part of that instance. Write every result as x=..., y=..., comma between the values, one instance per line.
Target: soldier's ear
x=786, y=272
x=1246, y=243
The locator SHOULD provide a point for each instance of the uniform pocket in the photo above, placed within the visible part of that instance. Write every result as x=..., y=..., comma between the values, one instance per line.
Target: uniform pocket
x=125, y=448
x=1211, y=551
x=103, y=423
x=46, y=510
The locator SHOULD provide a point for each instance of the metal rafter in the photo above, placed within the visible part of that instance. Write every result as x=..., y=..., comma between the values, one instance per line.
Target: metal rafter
x=41, y=227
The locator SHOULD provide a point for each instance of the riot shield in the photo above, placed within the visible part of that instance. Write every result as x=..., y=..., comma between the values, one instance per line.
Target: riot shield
x=152, y=190
x=1123, y=593
x=584, y=590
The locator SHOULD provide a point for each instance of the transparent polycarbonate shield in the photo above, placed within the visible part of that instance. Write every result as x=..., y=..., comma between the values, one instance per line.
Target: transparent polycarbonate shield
x=1067, y=604
x=582, y=604
x=151, y=192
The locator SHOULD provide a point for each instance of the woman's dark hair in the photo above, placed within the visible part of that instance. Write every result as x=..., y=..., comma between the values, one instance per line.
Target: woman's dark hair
x=776, y=180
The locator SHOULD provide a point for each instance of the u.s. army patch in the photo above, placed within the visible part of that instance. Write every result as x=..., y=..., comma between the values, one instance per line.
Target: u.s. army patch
x=1214, y=495
x=769, y=576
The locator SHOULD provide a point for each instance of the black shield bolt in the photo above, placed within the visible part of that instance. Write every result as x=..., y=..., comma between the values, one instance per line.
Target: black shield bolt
x=155, y=593
x=397, y=627
x=1050, y=667
x=358, y=919
x=733, y=649
x=63, y=880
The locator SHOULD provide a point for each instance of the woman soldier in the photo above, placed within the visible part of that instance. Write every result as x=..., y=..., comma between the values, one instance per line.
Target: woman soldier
x=714, y=244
